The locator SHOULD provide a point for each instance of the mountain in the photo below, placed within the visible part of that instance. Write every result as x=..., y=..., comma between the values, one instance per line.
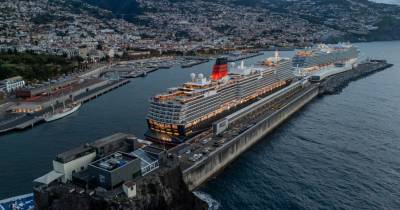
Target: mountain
x=359, y=20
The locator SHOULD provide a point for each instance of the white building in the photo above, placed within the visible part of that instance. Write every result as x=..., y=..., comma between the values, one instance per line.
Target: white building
x=13, y=83
x=129, y=189
x=69, y=163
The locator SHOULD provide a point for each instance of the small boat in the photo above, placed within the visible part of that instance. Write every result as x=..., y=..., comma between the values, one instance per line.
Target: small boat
x=63, y=113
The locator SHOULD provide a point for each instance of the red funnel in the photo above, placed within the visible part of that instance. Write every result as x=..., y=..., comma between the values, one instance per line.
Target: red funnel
x=220, y=69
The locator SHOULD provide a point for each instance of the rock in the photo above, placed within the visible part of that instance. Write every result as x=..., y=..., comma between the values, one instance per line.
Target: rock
x=164, y=189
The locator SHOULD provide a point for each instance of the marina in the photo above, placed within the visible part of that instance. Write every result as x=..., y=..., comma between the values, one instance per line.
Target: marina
x=232, y=57
x=195, y=62
x=142, y=67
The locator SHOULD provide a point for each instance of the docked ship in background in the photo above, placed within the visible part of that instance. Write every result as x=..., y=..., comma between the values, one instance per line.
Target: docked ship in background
x=325, y=60
x=184, y=111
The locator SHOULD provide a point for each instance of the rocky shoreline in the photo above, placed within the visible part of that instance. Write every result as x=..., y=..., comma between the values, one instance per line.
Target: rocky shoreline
x=164, y=189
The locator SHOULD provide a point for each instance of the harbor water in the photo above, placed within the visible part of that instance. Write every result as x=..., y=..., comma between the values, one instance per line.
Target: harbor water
x=340, y=151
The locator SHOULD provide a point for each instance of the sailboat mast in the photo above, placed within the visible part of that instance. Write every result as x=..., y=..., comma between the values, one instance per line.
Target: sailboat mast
x=51, y=97
x=62, y=97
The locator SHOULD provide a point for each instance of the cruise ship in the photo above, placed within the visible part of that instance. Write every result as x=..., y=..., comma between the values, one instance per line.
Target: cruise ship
x=182, y=112
x=324, y=57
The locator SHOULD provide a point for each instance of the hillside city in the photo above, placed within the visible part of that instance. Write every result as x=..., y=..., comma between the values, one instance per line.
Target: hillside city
x=74, y=28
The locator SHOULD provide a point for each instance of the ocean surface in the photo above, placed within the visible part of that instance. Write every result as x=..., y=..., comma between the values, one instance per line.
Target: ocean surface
x=340, y=152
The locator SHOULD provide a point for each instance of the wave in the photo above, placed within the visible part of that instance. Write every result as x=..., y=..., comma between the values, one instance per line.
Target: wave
x=212, y=204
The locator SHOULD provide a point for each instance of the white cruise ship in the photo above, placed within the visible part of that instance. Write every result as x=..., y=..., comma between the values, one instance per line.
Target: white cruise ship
x=325, y=58
x=184, y=111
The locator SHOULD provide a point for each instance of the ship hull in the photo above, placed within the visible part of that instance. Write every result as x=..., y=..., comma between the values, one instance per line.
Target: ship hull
x=63, y=114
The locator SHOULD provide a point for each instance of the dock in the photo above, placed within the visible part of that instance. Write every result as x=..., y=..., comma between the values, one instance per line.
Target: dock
x=29, y=123
x=85, y=97
x=194, y=63
x=30, y=120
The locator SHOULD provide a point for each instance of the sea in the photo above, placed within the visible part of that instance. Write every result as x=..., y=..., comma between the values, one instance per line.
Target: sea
x=341, y=151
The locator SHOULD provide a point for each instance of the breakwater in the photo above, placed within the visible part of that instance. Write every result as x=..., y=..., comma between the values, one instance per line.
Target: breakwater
x=336, y=82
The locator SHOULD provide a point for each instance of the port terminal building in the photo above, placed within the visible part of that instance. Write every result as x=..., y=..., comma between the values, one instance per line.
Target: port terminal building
x=104, y=165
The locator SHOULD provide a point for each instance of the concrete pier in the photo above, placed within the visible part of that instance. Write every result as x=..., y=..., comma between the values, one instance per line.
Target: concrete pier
x=198, y=173
x=100, y=91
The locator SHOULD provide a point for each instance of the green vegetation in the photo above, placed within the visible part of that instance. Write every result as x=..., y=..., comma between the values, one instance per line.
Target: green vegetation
x=49, y=18
x=127, y=9
x=224, y=28
x=35, y=67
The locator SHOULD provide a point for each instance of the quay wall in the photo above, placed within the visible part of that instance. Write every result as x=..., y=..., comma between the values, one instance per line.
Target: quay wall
x=197, y=174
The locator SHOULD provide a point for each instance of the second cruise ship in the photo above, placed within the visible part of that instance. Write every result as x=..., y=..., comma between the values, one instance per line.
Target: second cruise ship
x=326, y=58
